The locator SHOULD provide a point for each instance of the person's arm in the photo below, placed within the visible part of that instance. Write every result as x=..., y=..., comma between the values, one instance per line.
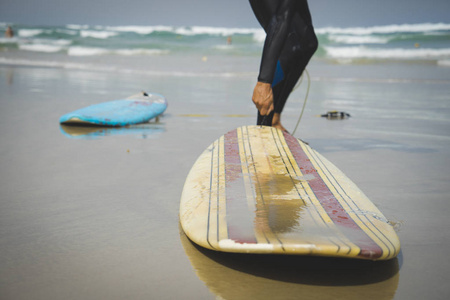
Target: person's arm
x=276, y=35
x=273, y=45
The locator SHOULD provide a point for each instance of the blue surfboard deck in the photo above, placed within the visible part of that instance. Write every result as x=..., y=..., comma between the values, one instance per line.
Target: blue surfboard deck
x=134, y=110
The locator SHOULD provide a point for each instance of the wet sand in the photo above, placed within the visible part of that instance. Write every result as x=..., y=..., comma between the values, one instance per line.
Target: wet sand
x=94, y=215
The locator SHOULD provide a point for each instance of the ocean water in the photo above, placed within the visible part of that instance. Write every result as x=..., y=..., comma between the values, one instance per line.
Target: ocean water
x=100, y=47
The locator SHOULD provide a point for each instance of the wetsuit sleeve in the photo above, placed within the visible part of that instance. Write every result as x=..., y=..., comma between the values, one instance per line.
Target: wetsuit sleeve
x=277, y=31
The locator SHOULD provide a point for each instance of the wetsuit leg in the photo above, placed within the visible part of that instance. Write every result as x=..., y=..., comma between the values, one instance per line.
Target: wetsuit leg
x=298, y=45
x=298, y=50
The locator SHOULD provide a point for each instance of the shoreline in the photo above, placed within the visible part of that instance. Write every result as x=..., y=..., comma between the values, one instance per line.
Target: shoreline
x=386, y=71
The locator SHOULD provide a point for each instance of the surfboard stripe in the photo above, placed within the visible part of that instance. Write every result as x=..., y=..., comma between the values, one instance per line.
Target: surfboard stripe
x=211, y=224
x=247, y=163
x=344, y=201
x=222, y=209
x=261, y=226
x=342, y=243
x=240, y=227
x=331, y=205
x=359, y=213
x=216, y=226
x=317, y=215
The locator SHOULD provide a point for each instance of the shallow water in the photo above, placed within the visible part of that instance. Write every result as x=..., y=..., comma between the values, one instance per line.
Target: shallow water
x=96, y=216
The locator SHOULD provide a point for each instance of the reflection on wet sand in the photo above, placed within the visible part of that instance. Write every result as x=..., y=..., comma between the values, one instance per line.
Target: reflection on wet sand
x=92, y=132
x=260, y=276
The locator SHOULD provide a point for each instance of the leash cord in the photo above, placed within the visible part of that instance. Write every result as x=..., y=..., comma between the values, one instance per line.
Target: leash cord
x=306, y=97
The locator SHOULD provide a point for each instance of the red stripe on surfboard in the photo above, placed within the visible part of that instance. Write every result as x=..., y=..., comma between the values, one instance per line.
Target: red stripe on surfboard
x=331, y=205
x=239, y=222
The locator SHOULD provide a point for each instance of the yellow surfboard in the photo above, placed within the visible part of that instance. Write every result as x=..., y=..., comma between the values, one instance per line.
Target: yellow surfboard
x=260, y=190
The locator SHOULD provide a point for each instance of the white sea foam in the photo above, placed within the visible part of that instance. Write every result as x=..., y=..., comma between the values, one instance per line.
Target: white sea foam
x=90, y=51
x=425, y=27
x=259, y=36
x=223, y=31
x=224, y=47
x=8, y=40
x=40, y=48
x=140, y=29
x=97, y=34
x=379, y=53
x=361, y=39
x=26, y=33
x=59, y=42
x=55, y=64
x=77, y=27
x=44, y=45
x=62, y=42
x=85, y=51
x=189, y=31
x=28, y=62
x=112, y=68
x=141, y=52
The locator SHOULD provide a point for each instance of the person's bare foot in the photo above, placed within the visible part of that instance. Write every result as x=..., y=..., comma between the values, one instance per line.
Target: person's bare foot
x=276, y=122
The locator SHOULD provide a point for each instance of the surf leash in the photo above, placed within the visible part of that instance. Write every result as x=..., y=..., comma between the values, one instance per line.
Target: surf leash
x=263, y=122
x=306, y=97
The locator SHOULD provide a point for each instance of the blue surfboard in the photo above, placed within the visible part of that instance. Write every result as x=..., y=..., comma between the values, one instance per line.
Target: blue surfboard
x=134, y=110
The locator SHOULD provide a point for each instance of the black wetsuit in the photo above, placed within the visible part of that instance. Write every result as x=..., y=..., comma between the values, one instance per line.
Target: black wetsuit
x=289, y=45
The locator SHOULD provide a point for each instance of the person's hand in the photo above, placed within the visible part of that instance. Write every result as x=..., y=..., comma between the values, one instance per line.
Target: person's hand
x=263, y=98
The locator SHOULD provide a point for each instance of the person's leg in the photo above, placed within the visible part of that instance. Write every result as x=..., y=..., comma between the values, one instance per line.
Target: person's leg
x=296, y=47
x=272, y=15
x=298, y=50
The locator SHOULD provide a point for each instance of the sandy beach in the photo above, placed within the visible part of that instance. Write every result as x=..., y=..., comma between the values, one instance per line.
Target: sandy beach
x=94, y=215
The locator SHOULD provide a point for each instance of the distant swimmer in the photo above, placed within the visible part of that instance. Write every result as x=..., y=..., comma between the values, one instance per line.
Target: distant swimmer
x=9, y=33
x=229, y=41
x=290, y=43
